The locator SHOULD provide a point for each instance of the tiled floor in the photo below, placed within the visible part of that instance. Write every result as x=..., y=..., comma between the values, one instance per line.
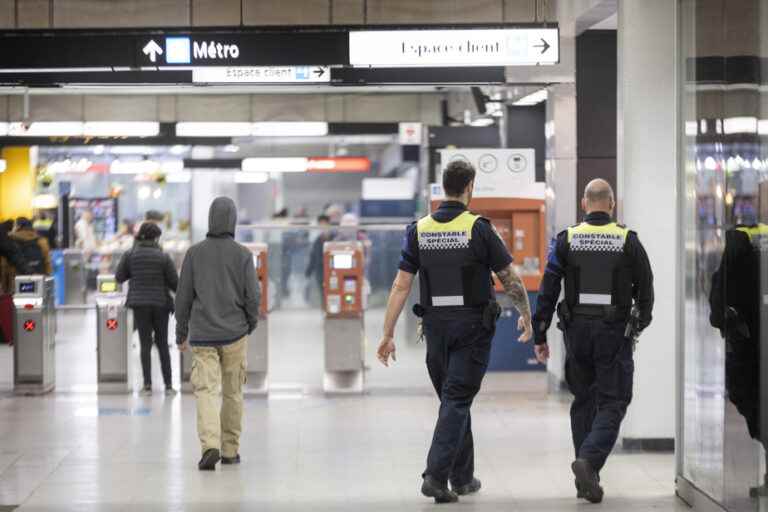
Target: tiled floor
x=75, y=450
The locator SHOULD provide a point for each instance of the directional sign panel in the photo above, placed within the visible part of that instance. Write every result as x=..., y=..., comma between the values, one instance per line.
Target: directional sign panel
x=262, y=75
x=460, y=47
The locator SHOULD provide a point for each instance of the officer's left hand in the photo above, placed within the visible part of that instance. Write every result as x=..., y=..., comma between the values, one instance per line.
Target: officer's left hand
x=524, y=325
x=542, y=352
x=386, y=349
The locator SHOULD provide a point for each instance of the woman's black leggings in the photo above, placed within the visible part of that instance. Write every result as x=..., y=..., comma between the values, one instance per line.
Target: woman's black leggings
x=152, y=323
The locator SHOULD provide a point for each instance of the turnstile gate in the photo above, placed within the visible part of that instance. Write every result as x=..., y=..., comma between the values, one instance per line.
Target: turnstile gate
x=114, y=334
x=34, y=353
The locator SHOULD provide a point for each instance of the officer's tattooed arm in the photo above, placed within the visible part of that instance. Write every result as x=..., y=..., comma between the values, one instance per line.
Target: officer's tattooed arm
x=515, y=290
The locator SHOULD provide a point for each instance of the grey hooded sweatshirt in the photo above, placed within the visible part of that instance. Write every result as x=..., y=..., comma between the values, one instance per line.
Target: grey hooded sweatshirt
x=217, y=300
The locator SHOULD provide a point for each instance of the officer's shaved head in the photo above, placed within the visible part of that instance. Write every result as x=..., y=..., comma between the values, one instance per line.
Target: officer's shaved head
x=598, y=196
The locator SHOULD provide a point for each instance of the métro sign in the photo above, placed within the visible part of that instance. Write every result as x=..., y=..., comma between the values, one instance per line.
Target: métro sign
x=454, y=47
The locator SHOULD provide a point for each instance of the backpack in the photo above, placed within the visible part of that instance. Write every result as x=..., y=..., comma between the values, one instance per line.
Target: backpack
x=33, y=256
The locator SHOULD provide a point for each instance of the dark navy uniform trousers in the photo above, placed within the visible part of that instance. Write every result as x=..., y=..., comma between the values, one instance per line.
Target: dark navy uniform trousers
x=599, y=370
x=458, y=349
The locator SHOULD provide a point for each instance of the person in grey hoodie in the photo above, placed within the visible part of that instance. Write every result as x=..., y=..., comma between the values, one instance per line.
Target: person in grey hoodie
x=217, y=304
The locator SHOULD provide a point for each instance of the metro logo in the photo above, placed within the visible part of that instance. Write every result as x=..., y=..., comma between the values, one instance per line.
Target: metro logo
x=214, y=50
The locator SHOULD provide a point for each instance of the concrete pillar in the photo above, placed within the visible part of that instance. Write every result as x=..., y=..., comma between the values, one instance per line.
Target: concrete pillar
x=647, y=189
x=560, y=170
x=17, y=183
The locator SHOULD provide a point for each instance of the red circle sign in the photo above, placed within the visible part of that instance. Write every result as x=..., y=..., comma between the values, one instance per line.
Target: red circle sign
x=112, y=324
x=29, y=325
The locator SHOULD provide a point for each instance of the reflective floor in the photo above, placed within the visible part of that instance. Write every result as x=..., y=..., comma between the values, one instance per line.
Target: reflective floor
x=75, y=450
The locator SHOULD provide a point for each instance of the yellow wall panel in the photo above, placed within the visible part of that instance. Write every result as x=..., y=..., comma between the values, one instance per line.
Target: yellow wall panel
x=17, y=183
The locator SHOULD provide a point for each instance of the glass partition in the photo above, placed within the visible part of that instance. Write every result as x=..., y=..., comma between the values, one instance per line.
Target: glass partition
x=724, y=162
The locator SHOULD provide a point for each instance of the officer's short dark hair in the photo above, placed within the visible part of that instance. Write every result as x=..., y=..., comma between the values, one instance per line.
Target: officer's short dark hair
x=149, y=231
x=457, y=177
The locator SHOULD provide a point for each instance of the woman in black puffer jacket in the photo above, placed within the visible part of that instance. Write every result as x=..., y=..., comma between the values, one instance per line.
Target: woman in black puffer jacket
x=152, y=274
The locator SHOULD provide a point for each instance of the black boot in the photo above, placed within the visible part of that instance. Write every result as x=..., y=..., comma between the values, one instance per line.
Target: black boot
x=469, y=488
x=432, y=489
x=587, y=481
x=210, y=458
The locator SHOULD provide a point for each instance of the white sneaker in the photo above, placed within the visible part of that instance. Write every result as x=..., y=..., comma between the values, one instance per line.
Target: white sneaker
x=170, y=392
x=145, y=391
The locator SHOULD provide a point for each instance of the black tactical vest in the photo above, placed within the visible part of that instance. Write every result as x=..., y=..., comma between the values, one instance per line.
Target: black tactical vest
x=598, y=272
x=450, y=274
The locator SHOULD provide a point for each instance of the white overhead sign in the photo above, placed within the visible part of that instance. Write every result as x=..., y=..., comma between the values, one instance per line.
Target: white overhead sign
x=500, y=172
x=262, y=75
x=460, y=47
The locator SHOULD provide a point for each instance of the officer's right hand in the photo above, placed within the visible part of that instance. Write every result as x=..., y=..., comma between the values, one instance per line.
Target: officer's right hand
x=542, y=352
x=386, y=349
x=524, y=324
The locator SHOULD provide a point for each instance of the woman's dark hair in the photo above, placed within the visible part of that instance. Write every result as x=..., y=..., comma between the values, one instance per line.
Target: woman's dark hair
x=457, y=177
x=149, y=231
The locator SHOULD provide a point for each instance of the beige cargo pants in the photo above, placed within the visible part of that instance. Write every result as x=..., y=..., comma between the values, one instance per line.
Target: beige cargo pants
x=219, y=423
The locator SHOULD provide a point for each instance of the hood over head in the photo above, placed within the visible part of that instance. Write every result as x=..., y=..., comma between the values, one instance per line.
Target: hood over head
x=222, y=217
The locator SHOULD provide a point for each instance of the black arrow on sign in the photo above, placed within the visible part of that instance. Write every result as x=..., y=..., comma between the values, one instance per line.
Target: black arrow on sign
x=544, y=45
x=319, y=72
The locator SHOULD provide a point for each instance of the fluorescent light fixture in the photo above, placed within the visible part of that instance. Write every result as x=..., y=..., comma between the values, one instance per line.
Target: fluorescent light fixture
x=178, y=177
x=213, y=129
x=482, y=121
x=231, y=148
x=46, y=129
x=251, y=177
x=532, y=99
x=287, y=164
x=3, y=129
x=691, y=130
x=762, y=127
x=121, y=129
x=178, y=149
x=733, y=125
x=290, y=129
x=3, y=165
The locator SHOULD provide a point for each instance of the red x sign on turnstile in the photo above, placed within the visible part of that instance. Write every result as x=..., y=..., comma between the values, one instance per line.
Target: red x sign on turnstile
x=29, y=325
x=112, y=324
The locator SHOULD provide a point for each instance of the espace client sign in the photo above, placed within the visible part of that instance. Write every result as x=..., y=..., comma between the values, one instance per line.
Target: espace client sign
x=454, y=47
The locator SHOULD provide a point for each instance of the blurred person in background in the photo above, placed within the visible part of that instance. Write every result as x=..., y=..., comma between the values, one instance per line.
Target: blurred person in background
x=85, y=235
x=11, y=262
x=153, y=276
x=34, y=248
x=315, y=264
x=45, y=225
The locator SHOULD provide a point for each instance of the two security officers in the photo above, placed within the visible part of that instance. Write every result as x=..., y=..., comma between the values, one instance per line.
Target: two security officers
x=606, y=270
x=454, y=252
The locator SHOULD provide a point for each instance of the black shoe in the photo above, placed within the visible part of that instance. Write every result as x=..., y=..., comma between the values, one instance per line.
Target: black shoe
x=210, y=459
x=579, y=493
x=587, y=481
x=231, y=460
x=431, y=489
x=470, y=488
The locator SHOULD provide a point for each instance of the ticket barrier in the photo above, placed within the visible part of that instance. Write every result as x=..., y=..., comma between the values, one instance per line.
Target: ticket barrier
x=114, y=334
x=258, y=341
x=343, y=326
x=74, y=277
x=34, y=352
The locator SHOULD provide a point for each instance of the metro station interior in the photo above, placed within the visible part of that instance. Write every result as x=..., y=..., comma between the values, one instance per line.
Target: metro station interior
x=330, y=123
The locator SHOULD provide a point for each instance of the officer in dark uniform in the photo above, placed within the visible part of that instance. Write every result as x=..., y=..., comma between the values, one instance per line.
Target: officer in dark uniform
x=737, y=301
x=605, y=268
x=454, y=253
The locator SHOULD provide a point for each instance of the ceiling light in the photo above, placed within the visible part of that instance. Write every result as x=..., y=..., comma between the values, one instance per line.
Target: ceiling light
x=290, y=129
x=762, y=127
x=532, y=99
x=733, y=125
x=231, y=148
x=44, y=202
x=143, y=192
x=287, y=164
x=482, y=121
x=3, y=129
x=213, y=129
x=178, y=149
x=46, y=129
x=251, y=177
x=98, y=150
x=3, y=165
x=121, y=129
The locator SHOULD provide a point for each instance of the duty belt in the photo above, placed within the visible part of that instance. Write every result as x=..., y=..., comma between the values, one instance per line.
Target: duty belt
x=610, y=313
